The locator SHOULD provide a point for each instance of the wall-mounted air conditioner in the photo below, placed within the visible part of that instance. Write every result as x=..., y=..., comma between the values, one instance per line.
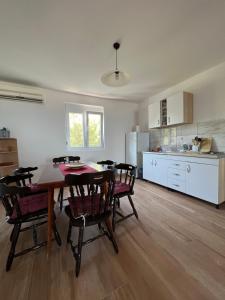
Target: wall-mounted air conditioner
x=21, y=96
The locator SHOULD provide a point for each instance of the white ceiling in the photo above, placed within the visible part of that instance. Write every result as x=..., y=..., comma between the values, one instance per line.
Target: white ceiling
x=67, y=44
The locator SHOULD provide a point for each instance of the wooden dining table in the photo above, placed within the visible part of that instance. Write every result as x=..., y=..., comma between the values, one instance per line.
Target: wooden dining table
x=52, y=176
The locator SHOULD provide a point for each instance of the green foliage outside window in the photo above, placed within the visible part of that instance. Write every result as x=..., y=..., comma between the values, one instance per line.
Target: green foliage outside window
x=94, y=130
x=76, y=130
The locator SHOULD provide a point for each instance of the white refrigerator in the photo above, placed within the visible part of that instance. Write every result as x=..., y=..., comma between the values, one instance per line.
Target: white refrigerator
x=136, y=144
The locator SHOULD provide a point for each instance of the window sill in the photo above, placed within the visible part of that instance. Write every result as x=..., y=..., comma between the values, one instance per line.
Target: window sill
x=81, y=149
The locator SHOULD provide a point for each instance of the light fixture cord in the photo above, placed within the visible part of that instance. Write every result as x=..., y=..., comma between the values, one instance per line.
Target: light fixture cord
x=116, y=60
x=116, y=71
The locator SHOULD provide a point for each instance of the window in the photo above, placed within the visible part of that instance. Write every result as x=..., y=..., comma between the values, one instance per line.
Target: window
x=76, y=126
x=84, y=126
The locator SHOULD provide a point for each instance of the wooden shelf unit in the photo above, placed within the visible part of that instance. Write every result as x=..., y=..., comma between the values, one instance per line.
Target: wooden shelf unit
x=8, y=156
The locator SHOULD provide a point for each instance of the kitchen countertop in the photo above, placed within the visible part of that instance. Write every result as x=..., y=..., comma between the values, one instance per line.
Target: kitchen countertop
x=190, y=154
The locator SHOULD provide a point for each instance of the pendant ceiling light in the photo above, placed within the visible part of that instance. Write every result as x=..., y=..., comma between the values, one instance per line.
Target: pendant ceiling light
x=115, y=78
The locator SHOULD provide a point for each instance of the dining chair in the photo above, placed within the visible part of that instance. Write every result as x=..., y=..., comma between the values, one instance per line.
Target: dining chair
x=27, y=181
x=73, y=158
x=123, y=187
x=89, y=205
x=108, y=163
x=24, y=209
x=59, y=160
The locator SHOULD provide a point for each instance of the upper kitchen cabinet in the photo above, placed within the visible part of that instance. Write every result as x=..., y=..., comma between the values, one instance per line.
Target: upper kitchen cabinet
x=180, y=108
x=175, y=109
x=154, y=115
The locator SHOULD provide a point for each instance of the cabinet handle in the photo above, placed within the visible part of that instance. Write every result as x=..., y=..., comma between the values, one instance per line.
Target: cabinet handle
x=177, y=185
x=188, y=168
x=158, y=122
x=155, y=163
x=177, y=165
x=168, y=120
x=176, y=174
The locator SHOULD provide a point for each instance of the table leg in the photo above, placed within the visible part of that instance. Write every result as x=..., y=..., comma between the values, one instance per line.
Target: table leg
x=50, y=217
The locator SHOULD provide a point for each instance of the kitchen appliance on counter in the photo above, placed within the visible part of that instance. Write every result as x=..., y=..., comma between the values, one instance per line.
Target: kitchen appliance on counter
x=136, y=143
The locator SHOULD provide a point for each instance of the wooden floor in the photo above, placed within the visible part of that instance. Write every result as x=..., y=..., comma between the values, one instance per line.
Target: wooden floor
x=175, y=251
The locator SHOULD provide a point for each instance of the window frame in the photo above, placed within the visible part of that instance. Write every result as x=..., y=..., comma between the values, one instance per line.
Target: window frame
x=84, y=110
x=87, y=131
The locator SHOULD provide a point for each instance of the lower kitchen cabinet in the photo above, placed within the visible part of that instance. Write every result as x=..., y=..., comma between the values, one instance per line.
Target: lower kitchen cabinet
x=148, y=167
x=199, y=177
x=202, y=181
x=155, y=169
x=177, y=185
x=160, y=171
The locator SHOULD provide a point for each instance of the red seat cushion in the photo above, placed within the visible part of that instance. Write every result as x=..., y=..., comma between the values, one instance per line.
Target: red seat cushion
x=121, y=187
x=31, y=204
x=86, y=205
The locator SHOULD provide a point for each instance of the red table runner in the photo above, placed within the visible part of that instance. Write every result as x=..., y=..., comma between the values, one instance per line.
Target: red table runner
x=66, y=170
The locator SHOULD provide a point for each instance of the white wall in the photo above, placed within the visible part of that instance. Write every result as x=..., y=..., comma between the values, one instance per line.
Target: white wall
x=209, y=96
x=40, y=129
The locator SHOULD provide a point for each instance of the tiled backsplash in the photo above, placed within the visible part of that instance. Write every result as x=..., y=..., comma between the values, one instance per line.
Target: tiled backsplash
x=174, y=137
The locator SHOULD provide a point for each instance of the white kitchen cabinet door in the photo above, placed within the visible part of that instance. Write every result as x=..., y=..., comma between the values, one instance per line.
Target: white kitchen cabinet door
x=161, y=166
x=155, y=169
x=175, y=109
x=154, y=115
x=202, y=181
x=148, y=167
x=180, y=108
